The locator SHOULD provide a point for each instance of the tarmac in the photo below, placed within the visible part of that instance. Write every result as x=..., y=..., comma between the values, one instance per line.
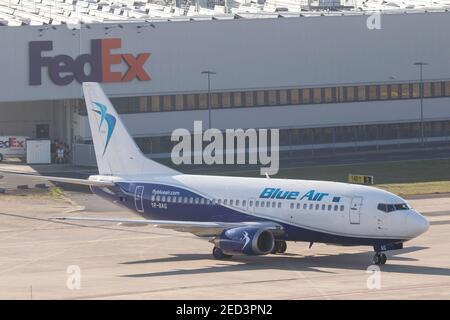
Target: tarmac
x=42, y=259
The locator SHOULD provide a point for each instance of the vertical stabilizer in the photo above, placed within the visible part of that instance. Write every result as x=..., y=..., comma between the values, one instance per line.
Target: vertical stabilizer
x=115, y=150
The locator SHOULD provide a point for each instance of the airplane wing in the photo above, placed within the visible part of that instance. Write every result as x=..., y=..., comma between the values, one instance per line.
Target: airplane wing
x=85, y=182
x=201, y=229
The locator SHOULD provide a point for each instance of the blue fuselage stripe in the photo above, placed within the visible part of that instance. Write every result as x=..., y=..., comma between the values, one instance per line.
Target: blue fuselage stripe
x=124, y=194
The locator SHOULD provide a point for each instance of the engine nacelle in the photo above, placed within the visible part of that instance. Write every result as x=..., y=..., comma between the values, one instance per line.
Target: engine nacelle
x=246, y=240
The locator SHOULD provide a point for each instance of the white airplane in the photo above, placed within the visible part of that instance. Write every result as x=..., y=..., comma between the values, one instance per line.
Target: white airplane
x=240, y=216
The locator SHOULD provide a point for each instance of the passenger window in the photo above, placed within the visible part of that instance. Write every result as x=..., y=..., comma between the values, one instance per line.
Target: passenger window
x=268, y=204
x=262, y=204
x=317, y=206
x=305, y=206
x=323, y=207
x=225, y=201
x=231, y=202
x=256, y=203
x=191, y=200
x=274, y=204
x=279, y=204
x=244, y=203
x=197, y=200
x=250, y=203
x=336, y=207
x=342, y=208
x=329, y=207
x=202, y=201
x=298, y=206
x=237, y=203
x=311, y=206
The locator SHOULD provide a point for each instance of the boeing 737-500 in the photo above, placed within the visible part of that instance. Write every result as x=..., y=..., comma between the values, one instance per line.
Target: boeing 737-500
x=239, y=215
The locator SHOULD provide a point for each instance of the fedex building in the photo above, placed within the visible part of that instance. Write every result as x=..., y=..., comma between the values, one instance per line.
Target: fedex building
x=328, y=82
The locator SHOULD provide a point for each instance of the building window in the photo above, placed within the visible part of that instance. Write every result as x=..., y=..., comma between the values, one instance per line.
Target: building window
x=415, y=90
x=283, y=97
x=226, y=99
x=328, y=95
x=306, y=95
x=437, y=89
x=237, y=99
x=447, y=88
x=203, y=100
x=350, y=93
x=167, y=103
x=384, y=92
x=317, y=95
x=295, y=96
x=372, y=92
x=214, y=100
x=405, y=91
x=260, y=101
x=361, y=93
x=155, y=103
x=249, y=99
x=191, y=105
x=427, y=90
x=272, y=97
x=179, y=103
x=394, y=94
x=142, y=104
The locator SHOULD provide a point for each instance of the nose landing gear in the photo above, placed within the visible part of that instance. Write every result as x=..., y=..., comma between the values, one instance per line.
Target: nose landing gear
x=379, y=258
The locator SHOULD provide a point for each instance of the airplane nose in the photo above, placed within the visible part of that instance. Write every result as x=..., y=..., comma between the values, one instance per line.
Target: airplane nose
x=416, y=224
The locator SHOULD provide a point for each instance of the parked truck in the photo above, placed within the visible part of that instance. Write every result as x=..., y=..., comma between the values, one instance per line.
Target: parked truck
x=12, y=147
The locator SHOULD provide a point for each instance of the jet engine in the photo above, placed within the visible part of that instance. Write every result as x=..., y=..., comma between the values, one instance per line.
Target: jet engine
x=245, y=240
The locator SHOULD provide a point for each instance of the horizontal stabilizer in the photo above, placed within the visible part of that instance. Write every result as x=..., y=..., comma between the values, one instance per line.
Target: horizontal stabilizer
x=61, y=179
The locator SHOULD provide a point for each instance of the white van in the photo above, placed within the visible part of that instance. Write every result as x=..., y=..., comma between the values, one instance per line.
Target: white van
x=12, y=147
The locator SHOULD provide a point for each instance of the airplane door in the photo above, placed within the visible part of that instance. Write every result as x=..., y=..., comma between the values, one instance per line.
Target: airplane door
x=355, y=210
x=139, y=198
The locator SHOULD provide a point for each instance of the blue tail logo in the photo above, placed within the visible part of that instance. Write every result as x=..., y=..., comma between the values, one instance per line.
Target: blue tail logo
x=110, y=121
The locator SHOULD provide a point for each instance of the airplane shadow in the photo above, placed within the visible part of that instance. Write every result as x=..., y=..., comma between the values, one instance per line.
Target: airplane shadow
x=293, y=262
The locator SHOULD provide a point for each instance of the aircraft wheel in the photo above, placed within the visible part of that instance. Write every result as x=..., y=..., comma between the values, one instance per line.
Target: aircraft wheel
x=383, y=258
x=276, y=247
x=219, y=255
x=282, y=247
x=377, y=259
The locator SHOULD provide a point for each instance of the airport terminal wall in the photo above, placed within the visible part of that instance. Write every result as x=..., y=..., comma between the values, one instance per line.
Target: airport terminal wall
x=245, y=53
x=323, y=75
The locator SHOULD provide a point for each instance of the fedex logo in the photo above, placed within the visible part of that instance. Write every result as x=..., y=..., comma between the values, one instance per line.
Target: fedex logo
x=63, y=69
x=12, y=142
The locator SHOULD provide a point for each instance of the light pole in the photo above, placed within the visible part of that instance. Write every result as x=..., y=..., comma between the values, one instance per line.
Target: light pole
x=422, y=134
x=209, y=73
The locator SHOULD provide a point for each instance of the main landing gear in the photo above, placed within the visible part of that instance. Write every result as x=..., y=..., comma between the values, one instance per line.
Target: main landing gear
x=219, y=255
x=279, y=247
x=379, y=258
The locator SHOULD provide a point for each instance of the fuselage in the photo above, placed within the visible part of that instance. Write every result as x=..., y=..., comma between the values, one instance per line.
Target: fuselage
x=313, y=211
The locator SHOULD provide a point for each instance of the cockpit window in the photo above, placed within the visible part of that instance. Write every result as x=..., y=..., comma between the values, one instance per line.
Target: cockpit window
x=392, y=207
x=402, y=206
